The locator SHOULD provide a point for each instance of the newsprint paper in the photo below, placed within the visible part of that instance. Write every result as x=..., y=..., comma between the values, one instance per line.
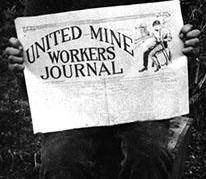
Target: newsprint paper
x=104, y=66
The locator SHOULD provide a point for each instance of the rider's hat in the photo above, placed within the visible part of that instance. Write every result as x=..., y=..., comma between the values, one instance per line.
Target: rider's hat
x=156, y=22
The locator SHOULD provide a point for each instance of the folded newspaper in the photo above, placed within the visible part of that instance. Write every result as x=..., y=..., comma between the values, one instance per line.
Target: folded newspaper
x=104, y=66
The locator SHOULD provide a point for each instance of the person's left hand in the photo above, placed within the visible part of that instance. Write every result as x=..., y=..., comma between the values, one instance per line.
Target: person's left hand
x=190, y=38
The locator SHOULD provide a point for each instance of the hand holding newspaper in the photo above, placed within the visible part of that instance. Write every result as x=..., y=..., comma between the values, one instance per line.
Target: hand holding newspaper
x=104, y=66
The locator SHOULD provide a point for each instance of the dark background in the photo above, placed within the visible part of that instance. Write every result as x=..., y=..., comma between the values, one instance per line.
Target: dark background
x=19, y=148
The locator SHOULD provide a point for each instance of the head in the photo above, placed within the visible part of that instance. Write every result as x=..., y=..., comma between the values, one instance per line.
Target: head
x=156, y=25
x=34, y=7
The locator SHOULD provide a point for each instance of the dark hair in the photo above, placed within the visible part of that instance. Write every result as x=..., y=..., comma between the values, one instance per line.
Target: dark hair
x=39, y=7
x=156, y=22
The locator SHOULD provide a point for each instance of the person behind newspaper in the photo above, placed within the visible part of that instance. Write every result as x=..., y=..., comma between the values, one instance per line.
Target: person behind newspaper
x=126, y=151
x=161, y=38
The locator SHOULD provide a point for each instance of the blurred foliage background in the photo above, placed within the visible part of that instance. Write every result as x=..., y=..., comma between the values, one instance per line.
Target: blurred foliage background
x=19, y=148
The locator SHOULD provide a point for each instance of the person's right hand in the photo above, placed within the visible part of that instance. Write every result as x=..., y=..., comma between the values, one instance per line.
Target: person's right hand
x=14, y=55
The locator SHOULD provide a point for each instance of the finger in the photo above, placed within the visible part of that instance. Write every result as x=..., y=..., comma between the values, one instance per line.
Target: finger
x=12, y=51
x=14, y=59
x=190, y=51
x=16, y=67
x=192, y=42
x=185, y=29
x=14, y=42
x=193, y=34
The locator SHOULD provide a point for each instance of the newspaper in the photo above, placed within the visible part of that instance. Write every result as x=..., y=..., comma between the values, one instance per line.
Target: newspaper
x=104, y=66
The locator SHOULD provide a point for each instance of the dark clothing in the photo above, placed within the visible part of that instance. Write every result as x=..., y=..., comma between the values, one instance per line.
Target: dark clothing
x=146, y=57
x=153, y=51
x=128, y=151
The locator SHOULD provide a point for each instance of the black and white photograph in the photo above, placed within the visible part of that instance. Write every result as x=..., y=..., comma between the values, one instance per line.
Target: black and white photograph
x=104, y=89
